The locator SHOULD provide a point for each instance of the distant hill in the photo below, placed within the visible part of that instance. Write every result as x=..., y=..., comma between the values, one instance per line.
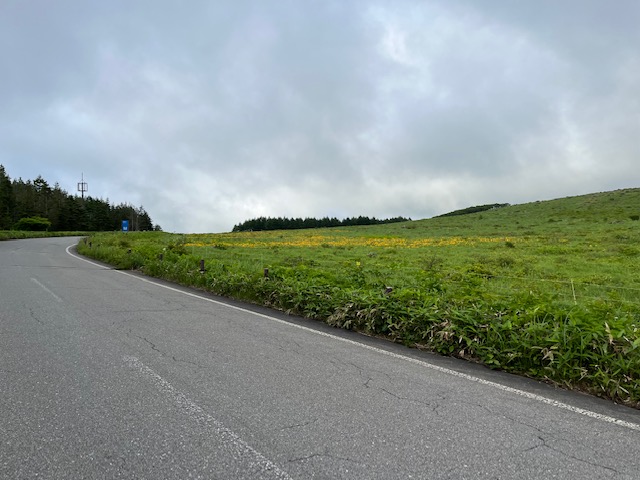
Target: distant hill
x=476, y=209
x=603, y=207
x=578, y=214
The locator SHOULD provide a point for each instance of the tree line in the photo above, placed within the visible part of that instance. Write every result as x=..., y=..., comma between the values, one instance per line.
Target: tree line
x=35, y=205
x=280, y=223
x=476, y=209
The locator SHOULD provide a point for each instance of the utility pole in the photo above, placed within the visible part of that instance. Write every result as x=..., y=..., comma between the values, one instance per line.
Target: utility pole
x=83, y=186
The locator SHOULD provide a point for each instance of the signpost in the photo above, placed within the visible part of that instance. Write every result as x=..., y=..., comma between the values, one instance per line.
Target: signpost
x=125, y=225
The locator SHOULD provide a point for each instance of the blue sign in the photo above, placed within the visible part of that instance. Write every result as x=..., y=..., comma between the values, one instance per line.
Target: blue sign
x=125, y=225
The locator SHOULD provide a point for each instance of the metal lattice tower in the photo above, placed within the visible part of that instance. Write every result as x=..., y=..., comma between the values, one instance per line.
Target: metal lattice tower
x=83, y=186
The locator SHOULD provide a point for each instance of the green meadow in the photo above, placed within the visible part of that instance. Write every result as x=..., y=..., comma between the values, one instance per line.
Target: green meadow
x=549, y=289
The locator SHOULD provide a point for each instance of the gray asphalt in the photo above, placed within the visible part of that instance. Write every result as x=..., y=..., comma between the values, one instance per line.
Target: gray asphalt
x=107, y=374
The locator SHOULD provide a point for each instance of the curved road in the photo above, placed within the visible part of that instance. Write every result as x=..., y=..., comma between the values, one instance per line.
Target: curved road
x=107, y=374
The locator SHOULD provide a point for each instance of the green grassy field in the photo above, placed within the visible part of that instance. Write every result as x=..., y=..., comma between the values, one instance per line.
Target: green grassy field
x=549, y=289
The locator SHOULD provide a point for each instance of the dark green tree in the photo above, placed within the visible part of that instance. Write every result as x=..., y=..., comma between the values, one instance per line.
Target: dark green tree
x=42, y=196
x=7, y=200
x=26, y=200
x=263, y=223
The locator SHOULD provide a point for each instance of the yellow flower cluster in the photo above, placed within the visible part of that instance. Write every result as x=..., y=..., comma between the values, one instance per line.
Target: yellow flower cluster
x=326, y=241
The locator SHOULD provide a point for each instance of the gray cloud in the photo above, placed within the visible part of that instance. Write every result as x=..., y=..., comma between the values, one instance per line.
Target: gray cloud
x=209, y=113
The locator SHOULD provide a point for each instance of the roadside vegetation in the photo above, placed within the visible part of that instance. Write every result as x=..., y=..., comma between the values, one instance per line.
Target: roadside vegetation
x=550, y=290
x=18, y=235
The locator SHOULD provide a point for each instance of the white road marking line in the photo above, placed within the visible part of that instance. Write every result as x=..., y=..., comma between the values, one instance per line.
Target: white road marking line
x=238, y=448
x=58, y=299
x=447, y=371
x=68, y=250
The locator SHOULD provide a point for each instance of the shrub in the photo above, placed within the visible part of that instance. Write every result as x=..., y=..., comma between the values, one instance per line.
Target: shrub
x=33, y=224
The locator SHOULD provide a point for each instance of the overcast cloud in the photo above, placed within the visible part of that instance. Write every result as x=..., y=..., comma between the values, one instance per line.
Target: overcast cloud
x=208, y=113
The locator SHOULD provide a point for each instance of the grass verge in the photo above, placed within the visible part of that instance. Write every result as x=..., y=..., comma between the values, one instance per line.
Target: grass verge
x=18, y=235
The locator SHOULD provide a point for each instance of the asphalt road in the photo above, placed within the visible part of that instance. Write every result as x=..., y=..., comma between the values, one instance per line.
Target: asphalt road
x=107, y=374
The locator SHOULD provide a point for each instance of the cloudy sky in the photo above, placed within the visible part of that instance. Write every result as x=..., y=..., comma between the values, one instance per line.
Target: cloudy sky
x=208, y=113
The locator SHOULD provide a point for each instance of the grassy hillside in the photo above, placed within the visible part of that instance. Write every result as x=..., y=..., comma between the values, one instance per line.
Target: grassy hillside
x=546, y=289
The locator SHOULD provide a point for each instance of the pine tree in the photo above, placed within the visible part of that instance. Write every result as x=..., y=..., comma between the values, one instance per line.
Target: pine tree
x=7, y=200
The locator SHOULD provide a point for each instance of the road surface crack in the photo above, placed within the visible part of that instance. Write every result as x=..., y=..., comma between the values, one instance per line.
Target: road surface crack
x=543, y=444
x=543, y=441
x=151, y=344
x=298, y=425
x=326, y=455
x=182, y=360
x=433, y=406
x=164, y=354
x=35, y=317
x=288, y=347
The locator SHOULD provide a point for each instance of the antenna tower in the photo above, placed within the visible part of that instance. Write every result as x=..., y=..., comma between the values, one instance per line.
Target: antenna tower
x=83, y=186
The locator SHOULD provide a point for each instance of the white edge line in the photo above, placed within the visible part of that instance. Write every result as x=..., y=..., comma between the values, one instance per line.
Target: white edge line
x=68, y=250
x=58, y=299
x=238, y=448
x=504, y=388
